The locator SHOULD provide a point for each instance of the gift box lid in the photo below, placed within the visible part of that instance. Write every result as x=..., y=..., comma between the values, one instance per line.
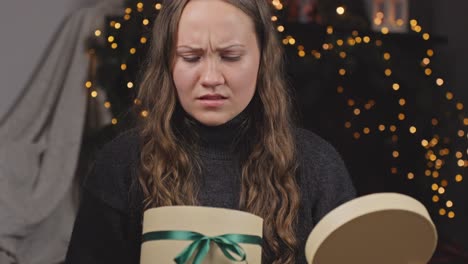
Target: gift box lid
x=384, y=228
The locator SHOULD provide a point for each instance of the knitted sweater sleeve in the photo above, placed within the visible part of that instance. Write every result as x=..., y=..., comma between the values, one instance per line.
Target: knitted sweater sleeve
x=100, y=233
x=327, y=183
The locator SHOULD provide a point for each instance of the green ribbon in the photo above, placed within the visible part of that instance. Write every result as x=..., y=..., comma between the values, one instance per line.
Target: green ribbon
x=228, y=244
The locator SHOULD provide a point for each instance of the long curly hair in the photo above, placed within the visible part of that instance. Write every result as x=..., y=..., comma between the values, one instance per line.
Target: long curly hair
x=169, y=167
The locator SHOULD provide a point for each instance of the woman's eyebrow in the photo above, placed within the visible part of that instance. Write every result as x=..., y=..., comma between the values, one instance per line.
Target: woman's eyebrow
x=196, y=49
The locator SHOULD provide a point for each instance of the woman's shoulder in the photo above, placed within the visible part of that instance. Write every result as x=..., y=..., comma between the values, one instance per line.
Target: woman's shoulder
x=111, y=173
x=313, y=147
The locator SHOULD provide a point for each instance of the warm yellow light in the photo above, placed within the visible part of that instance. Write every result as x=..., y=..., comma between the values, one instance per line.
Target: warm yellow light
x=301, y=53
x=410, y=176
x=393, y=128
x=461, y=133
x=460, y=106
x=140, y=5
x=385, y=30
x=435, y=198
x=129, y=85
x=458, y=154
x=430, y=52
x=340, y=10
x=358, y=39
x=428, y=71
x=426, y=61
x=418, y=29
x=145, y=22
x=340, y=42
x=107, y=104
x=340, y=89
x=111, y=39
x=329, y=30
x=458, y=178
x=412, y=130
x=451, y=215
x=117, y=25
x=343, y=55
x=449, y=96
x=441, y=190
x=144, y=113
x=366, y=130
x=434, y=186
x=114, y=121
x=94, y=94
x=402, y=102
x=396, y=86
x=427, y=173
x=292, y=41
x=351, y=42
x=461, y=163
x=465, y=121
x=274, y=18
x=356, y=135
x=123, y=66
x=97, y=32
x=424, y=143
x=377, y=21
x=387, y=56
x=400, y=22
x=342, y=72
x=280, y=28
x=367, y=39
x=413, y=22
x=88, y=84
x=132, y=51
x=158, y=6
x=440, y=81
x=347, y=124
x=444, y=183
x=434, y=121
x=401, y=116
x=449, y=204
x=357, y=111
x=127, y=17
x=426, y=36
x=143, y=40
x=388, y=72
x=395, y=154
x=442, y=211
x=128, y=10
x=114, y=45
x=435, y=174
x=382, y=128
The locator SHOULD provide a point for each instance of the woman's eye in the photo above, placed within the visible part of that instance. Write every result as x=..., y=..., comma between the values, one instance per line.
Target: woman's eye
x=191, y=59
x=231, y=58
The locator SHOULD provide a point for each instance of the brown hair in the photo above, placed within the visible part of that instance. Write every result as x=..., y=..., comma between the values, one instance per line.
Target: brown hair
x=169, y=165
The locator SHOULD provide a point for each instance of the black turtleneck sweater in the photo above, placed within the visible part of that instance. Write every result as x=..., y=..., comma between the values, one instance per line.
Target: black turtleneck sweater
x=108, y=225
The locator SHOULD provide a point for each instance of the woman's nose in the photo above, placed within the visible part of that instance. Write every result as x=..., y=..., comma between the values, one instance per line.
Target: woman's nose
x=212, y=75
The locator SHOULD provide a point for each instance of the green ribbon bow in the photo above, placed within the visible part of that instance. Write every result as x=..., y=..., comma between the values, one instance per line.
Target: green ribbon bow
x=228, y=244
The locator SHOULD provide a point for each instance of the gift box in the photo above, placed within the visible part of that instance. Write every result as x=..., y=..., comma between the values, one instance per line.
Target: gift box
x=200, y=235
x=384, y=228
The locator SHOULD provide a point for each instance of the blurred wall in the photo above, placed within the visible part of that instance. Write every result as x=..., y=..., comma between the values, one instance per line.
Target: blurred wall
x=26, y=28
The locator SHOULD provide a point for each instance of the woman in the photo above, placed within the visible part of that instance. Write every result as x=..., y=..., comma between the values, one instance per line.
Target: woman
x=219, y=133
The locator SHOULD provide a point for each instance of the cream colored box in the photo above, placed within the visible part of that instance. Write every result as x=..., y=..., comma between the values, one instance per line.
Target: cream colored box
x=205, y=220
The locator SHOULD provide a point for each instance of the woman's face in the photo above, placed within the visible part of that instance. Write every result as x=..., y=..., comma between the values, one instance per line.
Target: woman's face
x=216, y=61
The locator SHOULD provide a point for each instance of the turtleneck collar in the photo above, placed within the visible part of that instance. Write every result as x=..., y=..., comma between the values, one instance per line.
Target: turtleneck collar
x=220, y=142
